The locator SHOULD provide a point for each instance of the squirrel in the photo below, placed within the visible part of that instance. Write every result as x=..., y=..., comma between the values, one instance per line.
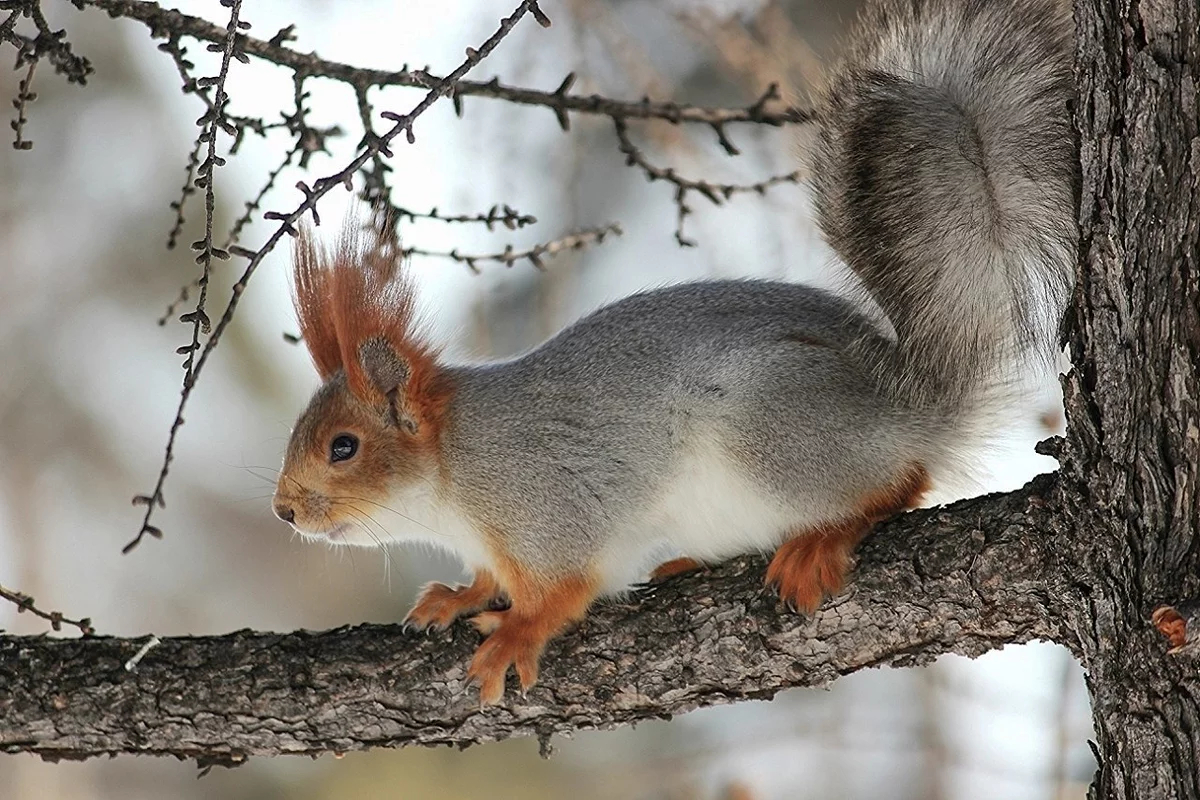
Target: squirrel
x=720, y=417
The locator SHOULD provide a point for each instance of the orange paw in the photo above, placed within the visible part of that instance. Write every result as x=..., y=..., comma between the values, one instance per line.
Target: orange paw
x=439, y=604
x=809, y=567
x=814, y=562
x=676, y=566
x=511, y=641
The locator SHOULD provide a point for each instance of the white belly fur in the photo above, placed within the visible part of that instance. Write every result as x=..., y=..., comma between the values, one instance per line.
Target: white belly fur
x=709, y=510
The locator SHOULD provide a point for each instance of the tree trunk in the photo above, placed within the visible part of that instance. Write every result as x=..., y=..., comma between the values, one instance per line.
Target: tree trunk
x=1130, y=482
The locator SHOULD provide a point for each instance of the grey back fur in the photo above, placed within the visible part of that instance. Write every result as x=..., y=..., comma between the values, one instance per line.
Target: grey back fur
x=725, y=416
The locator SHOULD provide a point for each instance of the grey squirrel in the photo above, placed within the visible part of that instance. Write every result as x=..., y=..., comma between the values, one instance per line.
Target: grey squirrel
x=722, y=417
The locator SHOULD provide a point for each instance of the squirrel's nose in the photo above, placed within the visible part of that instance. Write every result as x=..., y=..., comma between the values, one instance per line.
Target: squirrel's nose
x=285, y=513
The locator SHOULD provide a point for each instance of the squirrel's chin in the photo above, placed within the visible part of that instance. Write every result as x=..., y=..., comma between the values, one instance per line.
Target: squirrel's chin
x=344, y=534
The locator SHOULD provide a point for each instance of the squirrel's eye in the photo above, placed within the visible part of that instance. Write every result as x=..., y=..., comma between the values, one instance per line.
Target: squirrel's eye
x=344, y=446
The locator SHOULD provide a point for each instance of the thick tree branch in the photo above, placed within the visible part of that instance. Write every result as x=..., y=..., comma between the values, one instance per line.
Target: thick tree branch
x=966, y=579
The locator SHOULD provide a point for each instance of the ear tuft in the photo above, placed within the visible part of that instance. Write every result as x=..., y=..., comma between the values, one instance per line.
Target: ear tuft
x=313, y=295
x=357, y=311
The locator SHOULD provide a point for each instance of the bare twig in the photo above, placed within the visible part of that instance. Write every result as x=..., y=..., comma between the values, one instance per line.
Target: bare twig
x=24, y=95
x=252, y=205
x=54, y=45
x=150, y=644
x=163, y=21
x=47, y=43
x=535, y=255
x=255, y=202
x=308, y=140
x=240, y=124
x=212, y=122
x=504, y=215
x=10, y=22
x=717, y=193
x=177, y=206
x=377, y=194
x=402, y=123
x=24, y=603
x=201, y=87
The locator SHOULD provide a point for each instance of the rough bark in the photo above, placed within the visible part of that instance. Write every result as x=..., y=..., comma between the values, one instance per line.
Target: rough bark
x=963, y=580
x=1131, y=476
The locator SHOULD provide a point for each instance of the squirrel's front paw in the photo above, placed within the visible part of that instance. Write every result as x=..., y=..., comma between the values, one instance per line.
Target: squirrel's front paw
x=511, y=641
x=439, y=604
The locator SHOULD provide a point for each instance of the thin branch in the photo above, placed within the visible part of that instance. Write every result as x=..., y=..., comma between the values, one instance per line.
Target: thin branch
x=48, y=43
x=287, y=222
x=25, y=95
x=10, y=22
x=24, y=603
x=965, y=579
x=255, y=203
x=717, y=193
x=377, y=194
x=504, y=215
x=212, y=123
x=308, y=140
x=163, y=21
x=54, y=45
x=177, y=206
x=375, y=191
x=535, y=255
x=252, y=205
x=201, y=89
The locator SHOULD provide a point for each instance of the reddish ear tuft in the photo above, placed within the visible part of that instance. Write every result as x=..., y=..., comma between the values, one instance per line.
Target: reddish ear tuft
x=358, y=302
x=374, y=304
x=313, y=296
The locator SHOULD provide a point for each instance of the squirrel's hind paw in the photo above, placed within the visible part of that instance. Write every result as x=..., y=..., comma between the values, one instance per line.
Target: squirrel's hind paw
x=676, y=566
x=510, y=642
x=814, y=564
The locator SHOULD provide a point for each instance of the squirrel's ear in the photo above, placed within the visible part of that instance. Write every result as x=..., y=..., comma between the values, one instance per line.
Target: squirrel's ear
x=389, y=374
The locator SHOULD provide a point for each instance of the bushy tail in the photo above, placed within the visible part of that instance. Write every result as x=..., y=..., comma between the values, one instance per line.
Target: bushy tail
x=945, y=176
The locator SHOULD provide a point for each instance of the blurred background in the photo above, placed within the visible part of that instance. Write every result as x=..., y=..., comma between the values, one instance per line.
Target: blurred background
x=89, y=383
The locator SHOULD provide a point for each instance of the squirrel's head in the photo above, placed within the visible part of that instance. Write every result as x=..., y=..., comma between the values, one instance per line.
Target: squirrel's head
x=371, y=432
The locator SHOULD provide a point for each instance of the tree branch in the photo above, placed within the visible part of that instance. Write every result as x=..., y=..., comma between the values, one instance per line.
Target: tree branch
x=966, y=579
x=162, y=21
